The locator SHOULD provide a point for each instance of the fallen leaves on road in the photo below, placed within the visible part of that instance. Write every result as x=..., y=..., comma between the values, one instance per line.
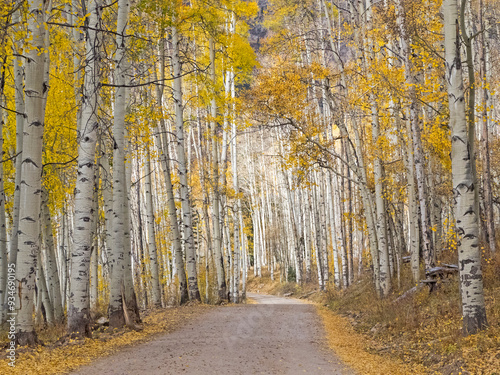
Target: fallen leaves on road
x=49, y=360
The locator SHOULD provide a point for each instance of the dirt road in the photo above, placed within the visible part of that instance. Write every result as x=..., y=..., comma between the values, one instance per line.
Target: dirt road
x=275, y=336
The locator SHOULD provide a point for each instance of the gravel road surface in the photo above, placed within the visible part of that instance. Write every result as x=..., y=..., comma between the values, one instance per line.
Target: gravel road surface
x=274, y=336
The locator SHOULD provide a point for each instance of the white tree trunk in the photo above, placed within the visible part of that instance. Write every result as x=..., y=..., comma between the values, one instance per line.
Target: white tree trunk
x=485, y=120
x=94, y=259
x=333, y=235
x=467, y=222
x=307, y=237
x=217, y=240
x=79, y=298
x=3, y=229
x=178, y=260
x=20, y=110
x=43, y=296
x=385, y=276
x=323, y=212
x=122, y=302
x=194, y=293
x=313, y=201
x=150, y=220
x=31, y=168
x=52, y=275
x=236, y=208
x=415, y=159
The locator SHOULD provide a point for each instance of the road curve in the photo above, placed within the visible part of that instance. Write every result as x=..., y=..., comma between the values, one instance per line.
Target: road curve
x=275, y=336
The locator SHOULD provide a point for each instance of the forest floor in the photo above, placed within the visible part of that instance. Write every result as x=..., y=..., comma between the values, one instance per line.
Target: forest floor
x=421, y=330
x=59, y=354
x=271, y=335
x=419, y=333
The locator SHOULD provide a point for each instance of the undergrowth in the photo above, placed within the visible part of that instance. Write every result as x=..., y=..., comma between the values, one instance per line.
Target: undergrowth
x=425, y=327
x=420, y=327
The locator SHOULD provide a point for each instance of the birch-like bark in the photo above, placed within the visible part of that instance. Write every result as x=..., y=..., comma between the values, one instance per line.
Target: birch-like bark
x=107, y=197
x=43, y=295
x=237, y=203
x=150, y=221
x=307, y=238
x=172, y=210
x=75, y=14
x=217, y=241
x=31, y=183
x=20, y=119
x=413, y=213
x=200, y=151
x=194, y=293
x=3, y=229
x=324, y=235
x=94, y=257
x=52, y=275
x=295, y=233
x=467, y=221
x=340, y=226
x=317, y=237
x=139, y=240
x=63, y=251
x=417, y=156
x=132, y=308
x=349, y=221
x=470, y=110
x=368, y=205
x=485, y=143
x=244, y=258
x=419, y=160
x=299, y=233
x=122, y=308
x=385, y=276
x=79, y=298
x=333, y=235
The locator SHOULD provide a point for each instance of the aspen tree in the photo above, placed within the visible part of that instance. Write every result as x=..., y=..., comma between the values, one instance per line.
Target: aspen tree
x=94, y=258
x=42, y=297
x=35, y=91
x=415, y=156
x=237, y=204
x=150, y=221
x=381, y=219
x=217, y=232
x=467, y=221
x=53, y=282
x=138, y=239
x=187, y=220
x=307, y=238
x=324, y=237
x=122, y=302
x=3, y=229
x=330, y=191
x=163, y=149
x=20, y=119
x=484, y=120
x=79, y=298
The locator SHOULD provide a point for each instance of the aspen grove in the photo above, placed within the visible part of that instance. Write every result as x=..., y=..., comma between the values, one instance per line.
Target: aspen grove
x=156, y=152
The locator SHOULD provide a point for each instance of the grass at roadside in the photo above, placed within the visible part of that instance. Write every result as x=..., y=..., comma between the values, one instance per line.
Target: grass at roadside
x=59, y=358
x=425, y=328
x=421, y=331
x=352, y=348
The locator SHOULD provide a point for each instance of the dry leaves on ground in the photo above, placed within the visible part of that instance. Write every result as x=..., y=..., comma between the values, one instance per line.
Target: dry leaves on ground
x=51, y=360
